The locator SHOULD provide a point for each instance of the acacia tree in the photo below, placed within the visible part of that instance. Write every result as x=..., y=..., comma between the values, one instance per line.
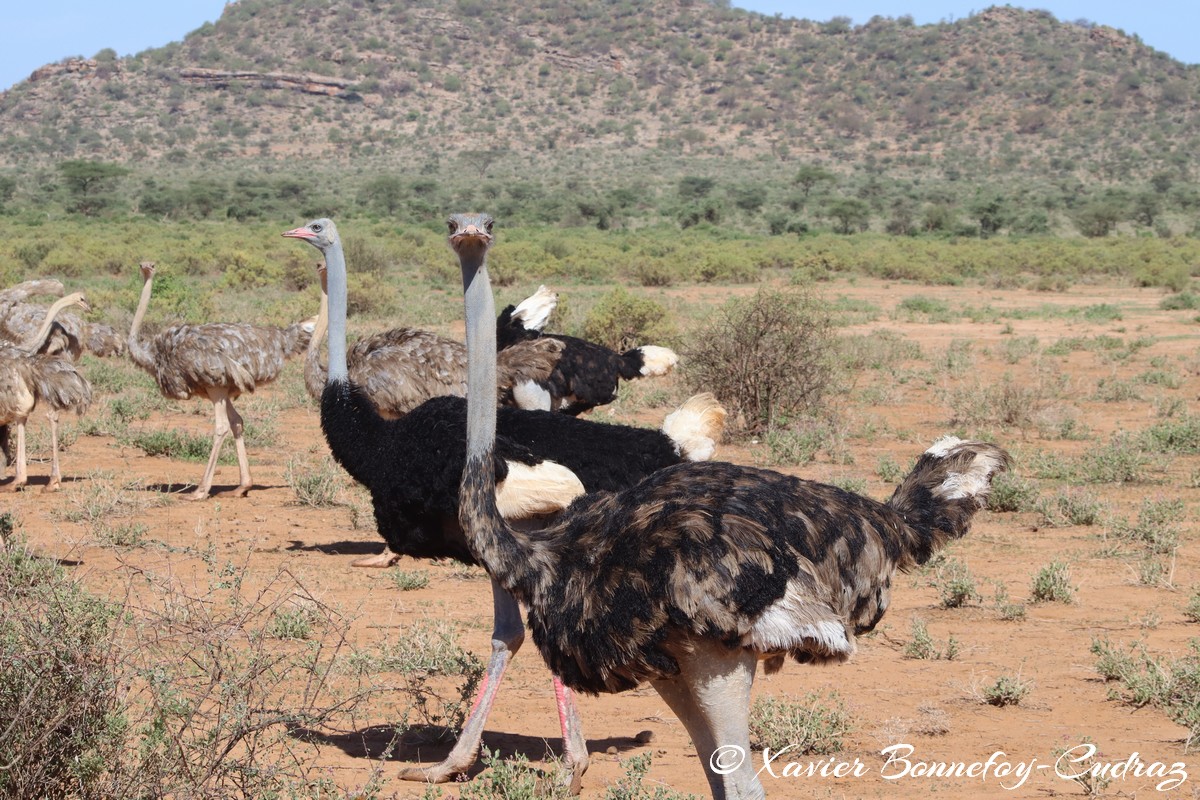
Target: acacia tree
x=90, y=185
x=849, y=214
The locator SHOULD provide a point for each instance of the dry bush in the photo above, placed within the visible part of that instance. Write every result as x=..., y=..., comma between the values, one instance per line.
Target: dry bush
x=767, y=357
x=622, y=320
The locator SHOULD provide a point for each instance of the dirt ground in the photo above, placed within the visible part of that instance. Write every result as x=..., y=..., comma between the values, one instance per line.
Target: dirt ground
x=935, y=706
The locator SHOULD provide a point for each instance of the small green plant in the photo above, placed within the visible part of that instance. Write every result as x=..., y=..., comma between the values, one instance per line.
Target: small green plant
x=1120, y=461
x=630, y=786
x=174, y=444
x=955, y=584
x=316, y=487
x=813, y=724
x=1005, y=607
x=407, y=581
x=291, y=623
x=1011, y=493
x=1156, y=527
x=888, y=470
x=512, y=779
x=1082, y=761
x=1191, y=611
x=1052, y=584
x=1008, y=690
x=922, y=646
x=1171, y=685
x=1072, y=507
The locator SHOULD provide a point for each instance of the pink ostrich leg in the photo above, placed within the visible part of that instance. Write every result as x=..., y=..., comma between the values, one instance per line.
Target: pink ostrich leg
x=508, y=633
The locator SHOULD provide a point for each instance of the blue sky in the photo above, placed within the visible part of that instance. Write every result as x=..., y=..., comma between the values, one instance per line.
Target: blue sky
x=38, y=33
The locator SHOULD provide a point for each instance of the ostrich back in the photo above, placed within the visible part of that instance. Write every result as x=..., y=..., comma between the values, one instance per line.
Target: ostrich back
x=746, y=556
x=192, y=360
x=58, y=384
x=16, y=384
x=69, y=335
x=413, y=465
x=401, y=368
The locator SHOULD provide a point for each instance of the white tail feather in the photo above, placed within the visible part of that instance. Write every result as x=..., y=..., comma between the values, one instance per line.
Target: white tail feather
x=529, y=491
x=696, y=427
x=534, y=311
x=657, y=360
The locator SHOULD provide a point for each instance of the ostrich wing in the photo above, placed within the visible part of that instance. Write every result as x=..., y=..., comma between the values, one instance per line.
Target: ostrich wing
x=403, y=367
x=235, y=357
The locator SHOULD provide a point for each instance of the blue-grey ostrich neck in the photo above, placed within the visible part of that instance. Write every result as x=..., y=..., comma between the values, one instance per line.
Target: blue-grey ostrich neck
x=481, y=356
x=335, y=271
x=505, y=553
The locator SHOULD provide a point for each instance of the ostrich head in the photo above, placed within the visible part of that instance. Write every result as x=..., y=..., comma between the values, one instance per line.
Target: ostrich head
x=147, y=268
x=470, y=237
x=76, y=299
x=470, y=230
x=320, y=233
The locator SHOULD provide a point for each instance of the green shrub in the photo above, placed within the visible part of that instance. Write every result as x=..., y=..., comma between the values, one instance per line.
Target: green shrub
x=814, y=724
x=1011, y=492
x=767, y=357
x=1052, y=584
x=61, y=685
x=622, y=320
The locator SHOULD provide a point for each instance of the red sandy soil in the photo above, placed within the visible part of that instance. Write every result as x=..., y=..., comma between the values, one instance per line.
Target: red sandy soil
x=933, y=705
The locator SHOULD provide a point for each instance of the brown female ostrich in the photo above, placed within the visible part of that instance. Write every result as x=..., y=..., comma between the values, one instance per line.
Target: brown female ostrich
x=218, y=361
x=401, y=368
x=699, y=571
x=70, y=333
x=31, y=377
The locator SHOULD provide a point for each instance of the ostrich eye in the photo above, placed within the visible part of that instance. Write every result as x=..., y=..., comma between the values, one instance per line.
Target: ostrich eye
x=452, y=225
x=489, y=225
x=315, y=228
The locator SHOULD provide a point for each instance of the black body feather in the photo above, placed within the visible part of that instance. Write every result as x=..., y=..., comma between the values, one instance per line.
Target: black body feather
x=413, y=465
x=586, y=374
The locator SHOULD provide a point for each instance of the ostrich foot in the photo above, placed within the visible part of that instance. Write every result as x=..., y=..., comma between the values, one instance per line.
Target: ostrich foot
x=52, y=486
x=385, y=559
x=15, y=486
x=199, y=494
x=438, y=773
x=571, y=777
x=240, y=491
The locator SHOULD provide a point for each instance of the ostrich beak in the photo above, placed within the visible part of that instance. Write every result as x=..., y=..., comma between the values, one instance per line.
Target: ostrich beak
x=300, y=233
x=473, y=232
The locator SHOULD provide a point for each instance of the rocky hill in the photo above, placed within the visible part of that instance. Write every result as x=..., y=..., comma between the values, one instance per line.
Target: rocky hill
x=590, y=85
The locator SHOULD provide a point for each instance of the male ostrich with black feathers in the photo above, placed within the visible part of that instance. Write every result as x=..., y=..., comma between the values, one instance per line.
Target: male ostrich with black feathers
x=585, y=374
x=412, y=467
x=692, y=576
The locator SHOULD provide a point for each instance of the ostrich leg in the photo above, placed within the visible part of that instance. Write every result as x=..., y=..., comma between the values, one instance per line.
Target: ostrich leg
x=508, y=632
x=220, y=431
x=575, y=756
x=239, y=444
x=507, y=635
x=55, y=472
x=22, y=474
x=711, y=697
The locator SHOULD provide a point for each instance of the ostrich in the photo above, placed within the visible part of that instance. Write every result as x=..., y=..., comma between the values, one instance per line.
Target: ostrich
x=412, y=467
x=29, y=377
x=70, y=334
x=699, y=571
x=586, y=374
x=218, y=361
x=403, y=367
